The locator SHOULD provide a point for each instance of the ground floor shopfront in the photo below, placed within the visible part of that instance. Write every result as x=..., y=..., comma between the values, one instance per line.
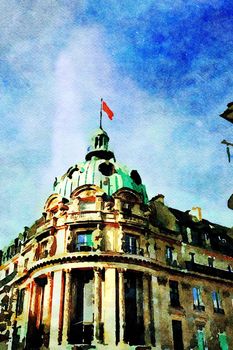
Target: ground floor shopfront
x=99, y=306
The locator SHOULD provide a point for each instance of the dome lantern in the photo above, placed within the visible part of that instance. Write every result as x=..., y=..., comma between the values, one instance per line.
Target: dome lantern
x=99, y=146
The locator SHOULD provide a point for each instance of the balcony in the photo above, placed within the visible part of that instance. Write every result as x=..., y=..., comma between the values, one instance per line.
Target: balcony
x=89, y=215
x=218, y=310
x=8, y=278
x=83, y=247
x=133, y=219
x=210, y=271
x=198, y=307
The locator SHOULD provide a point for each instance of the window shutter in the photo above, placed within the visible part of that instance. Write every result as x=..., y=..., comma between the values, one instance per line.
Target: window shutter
x=223, y=341
x=200, y=340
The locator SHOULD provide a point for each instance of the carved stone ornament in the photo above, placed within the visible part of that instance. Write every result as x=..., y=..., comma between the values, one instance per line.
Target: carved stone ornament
x=162, y=280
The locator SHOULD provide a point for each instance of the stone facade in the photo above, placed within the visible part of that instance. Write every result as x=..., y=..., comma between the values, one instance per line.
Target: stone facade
x=105, y=268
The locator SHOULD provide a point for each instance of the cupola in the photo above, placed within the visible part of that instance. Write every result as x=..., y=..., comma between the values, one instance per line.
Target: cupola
x=99, y=146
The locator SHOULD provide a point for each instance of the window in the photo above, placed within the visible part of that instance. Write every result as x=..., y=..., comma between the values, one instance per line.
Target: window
x=20, y=301
x=177, y=335
x=131, y=244
x=217, y=303
x=174, y=293
x=43, y=250
x=5, y=303
x=84, y=242
x=127, y=208
x=26, y=263
x=197, y=301
x=169, y=255
x=15, y=266
x=197, y=238
x=7, y=272
x=223, y=341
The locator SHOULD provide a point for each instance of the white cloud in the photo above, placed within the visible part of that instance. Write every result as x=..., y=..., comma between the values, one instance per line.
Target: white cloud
x=54, y=120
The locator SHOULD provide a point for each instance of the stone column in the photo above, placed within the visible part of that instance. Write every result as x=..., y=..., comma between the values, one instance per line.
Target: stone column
x=26, y=311
x=47, y=308
x=110, y=307
x=47, y=299
x=56, y=313
x=161, y=319
x=156, y=312
x=13, y=317
x=97, y=304
x=121, y=305
x=66, y=310
x=33, y=300
x=146, y=308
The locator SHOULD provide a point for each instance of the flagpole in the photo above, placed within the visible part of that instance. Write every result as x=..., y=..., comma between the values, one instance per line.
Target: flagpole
x=101, y=113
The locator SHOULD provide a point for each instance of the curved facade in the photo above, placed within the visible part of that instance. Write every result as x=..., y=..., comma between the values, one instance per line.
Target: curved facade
x=104, y=268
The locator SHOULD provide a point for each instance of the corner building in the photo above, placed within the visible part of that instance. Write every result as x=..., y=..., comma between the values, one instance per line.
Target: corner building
x=104, y=268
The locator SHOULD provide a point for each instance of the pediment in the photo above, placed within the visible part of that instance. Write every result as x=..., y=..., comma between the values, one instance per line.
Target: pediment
x=127, y=195
x=87, y=191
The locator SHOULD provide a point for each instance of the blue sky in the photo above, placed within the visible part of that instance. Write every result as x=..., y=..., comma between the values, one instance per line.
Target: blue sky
x=164, y=67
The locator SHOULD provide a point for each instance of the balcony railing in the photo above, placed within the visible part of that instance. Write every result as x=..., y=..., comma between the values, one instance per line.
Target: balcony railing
x=134, y=219
x=85, y=215
x=207, y=270
x=199, y=307
x=131, y=249
x=83, y=247
x=218, y=310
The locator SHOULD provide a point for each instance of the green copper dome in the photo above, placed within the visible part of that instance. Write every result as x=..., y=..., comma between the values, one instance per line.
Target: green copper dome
x=101, y=169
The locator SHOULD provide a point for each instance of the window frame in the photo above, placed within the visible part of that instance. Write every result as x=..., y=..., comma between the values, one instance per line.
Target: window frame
x=131, y=248
x=197, y=299
x=217, y=302
x=169, y=255
x=174, y=293
x=85, y=244
x=20, y=301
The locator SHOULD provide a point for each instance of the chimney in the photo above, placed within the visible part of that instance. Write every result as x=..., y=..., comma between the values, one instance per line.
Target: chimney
x=196, y=211
x=159, y=198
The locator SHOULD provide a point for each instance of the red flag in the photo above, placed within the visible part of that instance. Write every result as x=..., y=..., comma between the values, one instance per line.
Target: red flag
x=107, y=110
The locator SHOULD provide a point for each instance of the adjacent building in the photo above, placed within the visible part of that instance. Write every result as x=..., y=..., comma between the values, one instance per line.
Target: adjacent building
x=107, y=268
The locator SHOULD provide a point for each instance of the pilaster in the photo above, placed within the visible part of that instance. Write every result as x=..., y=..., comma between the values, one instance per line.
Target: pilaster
x=110, y=306
x=146, y=308
x=66, y=310
x=97, y=304
x=121, y=306
x=56, y=311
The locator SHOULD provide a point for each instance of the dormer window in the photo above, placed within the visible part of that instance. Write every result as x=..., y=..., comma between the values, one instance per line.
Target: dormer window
x=192, y=257
x=211, y=261
x=169, y=255
x=127, y=208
